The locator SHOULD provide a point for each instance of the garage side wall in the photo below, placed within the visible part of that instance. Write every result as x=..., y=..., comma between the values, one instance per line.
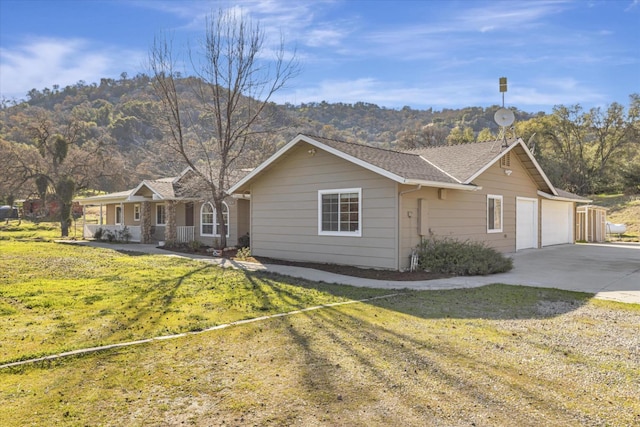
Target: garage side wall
x=463, y=214
x=284, y=211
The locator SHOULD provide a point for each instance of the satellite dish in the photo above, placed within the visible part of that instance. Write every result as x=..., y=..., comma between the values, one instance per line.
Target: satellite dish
x=504, y=117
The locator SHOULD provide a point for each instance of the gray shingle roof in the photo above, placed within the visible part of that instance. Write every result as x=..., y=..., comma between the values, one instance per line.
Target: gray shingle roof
x=569, y=195
x=463, y=161
x=404, y=164
x=162, y=187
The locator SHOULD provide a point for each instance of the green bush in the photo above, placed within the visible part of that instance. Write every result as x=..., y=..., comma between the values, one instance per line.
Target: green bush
x=244, y=241
x=98, y=234
x=243, y=253
x=124, y=235
x=461, y=258
x=195, y=245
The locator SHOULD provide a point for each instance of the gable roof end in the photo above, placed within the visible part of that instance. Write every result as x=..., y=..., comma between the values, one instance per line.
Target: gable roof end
x=401, y=167
x=465, y=162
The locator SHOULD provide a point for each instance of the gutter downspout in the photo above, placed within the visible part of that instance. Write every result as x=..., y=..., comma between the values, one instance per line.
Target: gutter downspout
x=400, y=194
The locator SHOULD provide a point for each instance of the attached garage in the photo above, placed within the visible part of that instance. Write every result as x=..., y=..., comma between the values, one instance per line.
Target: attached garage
x=526, y=223
x=557, y=222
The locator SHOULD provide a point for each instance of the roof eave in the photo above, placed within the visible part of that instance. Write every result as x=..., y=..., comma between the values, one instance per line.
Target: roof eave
x=563, y=199
x=89, y=201
x=437, y=184
x=117, y=197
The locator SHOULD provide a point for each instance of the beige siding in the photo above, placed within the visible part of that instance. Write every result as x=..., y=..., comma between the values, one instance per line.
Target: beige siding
x=110, y=214
x=284, y=212
x=243, y=217
x=463, y=214
x=128, y=214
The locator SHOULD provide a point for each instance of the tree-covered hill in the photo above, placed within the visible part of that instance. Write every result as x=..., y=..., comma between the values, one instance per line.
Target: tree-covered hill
x=119, y=121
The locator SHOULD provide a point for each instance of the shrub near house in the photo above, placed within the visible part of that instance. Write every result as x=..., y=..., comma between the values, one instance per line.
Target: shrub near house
x=461, y=258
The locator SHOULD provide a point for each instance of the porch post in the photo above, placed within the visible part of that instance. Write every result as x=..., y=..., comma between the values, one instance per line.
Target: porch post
x=101, y=222
x=145, y=222
x=84, y=220
x=121, y=215
x=171, y=230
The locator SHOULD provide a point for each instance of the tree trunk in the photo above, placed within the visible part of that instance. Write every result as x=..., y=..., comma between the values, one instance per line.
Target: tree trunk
x=145, y=214
x=65, y=214
x=170, y=230
x=222, y=230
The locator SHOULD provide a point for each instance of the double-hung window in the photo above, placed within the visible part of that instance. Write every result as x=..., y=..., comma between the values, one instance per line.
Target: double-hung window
x=136, y=212
x=494, y=214
x=340, y=212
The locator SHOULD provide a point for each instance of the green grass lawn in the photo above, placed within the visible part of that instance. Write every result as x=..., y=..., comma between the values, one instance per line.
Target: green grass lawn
x=496, y=355
x=56, y=297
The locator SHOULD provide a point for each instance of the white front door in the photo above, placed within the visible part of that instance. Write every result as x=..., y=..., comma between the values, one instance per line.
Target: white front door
x=526, y=223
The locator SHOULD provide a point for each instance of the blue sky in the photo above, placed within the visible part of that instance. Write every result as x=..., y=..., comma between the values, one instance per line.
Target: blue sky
x=422, y=54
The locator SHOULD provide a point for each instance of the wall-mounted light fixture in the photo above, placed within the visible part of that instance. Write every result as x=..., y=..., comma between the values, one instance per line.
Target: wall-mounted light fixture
x=508, y=172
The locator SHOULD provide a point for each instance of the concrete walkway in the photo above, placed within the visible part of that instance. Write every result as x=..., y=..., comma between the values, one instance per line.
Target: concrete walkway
x=610, y=271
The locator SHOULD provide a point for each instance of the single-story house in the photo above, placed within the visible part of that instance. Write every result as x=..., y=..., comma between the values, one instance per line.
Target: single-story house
x=168, y=209
x=328, y=201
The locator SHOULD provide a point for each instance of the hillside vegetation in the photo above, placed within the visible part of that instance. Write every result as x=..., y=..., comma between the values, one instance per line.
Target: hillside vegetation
x=623, y=209
x=117, y=122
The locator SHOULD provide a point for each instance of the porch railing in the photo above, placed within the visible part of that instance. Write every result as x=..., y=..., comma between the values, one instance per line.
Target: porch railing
x=134, y=230
x=186, y=233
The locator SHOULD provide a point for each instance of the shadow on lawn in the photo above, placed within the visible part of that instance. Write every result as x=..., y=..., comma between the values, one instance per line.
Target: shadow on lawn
x=419, y=362
x=496, y=301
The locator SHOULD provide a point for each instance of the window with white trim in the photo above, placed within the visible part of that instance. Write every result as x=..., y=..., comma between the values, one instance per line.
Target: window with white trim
x=494, y=213
x=209, y=225
x=160, y=215
x=340, y=212
x=118, y=215
x=136, y=212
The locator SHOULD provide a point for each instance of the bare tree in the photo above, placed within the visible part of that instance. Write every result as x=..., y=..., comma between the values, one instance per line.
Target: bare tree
x=233, y=89
x=419, y=135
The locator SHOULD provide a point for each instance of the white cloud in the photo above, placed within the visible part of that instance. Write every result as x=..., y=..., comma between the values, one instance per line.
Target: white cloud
x=44, y=62
x=538, y=94
x=386, y=93
x=508, y=15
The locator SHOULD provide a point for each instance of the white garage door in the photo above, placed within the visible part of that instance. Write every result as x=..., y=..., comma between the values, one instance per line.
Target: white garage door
x=526, y=223
x=557, y=222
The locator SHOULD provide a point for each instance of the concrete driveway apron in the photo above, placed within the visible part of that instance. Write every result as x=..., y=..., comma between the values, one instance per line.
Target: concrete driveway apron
x=611, y=271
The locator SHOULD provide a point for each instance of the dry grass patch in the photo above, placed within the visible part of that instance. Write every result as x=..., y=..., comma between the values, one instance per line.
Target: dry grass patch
x=498, y=355
x=623, y=209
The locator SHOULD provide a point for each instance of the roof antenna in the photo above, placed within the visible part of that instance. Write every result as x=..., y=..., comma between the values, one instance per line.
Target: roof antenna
x=504, y=117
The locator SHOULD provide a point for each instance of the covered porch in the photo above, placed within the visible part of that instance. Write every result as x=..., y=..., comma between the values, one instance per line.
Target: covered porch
x=184, y=234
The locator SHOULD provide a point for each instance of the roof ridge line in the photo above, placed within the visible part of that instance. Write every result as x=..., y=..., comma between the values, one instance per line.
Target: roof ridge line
x=390, y=150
